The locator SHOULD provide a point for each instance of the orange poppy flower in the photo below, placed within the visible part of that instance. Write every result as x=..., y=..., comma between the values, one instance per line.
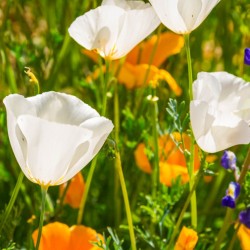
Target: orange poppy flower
x=136, y=66
x=244, y=237
x=59, y=236
x=186, y=240
x=172, y=159
x=75, y=191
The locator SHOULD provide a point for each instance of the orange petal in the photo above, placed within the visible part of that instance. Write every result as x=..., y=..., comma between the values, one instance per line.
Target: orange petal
x=169, y=172
x=133, y=76
x=55, y=236
x=81, y=238
x=75, y=191
x=244, y=237
x=141, y=159
x=186, y=240
x=168, y=44
x=91, y=54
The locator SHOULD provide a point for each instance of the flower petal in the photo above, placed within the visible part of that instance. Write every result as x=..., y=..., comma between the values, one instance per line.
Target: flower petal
x=53, y=234
x=15, y=106
x=100, y=128
x=47, y=142
x=62, y=108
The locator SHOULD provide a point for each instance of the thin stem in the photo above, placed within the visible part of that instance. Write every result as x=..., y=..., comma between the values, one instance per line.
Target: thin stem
x=86, y=191
x=126, y=200
x=94, y=161
x=191, y=161
x=156, y=180
x=228, y=217
x=178, y=223
x=12, y=200
x=44, y=192
x=116, y=175
x=231, y=245
x=189, y=61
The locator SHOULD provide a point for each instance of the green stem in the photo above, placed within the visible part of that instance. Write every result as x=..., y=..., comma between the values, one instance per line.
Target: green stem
x=231, y=245
x=126, y=200
x=156, y=180
x=94, y=161
x=191, y=162
x=116, y=175
x=228, y=217
x=189, y=61
x=184, y=208
x=86, y=191
x=12, y=200
x=44, y=192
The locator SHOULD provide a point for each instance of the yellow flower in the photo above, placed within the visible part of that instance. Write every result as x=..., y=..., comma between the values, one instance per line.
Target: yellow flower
x=59, y=236
x=186, y=240
x=172, y=160
x=244, y=237
x=75, y=191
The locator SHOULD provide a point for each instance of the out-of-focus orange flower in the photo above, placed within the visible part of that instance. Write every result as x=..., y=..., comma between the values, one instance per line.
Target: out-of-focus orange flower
x=244, y=237
x=186, y=240
x=172, y=159
x=168, y=44
x=59, y=236
x=136, y=66
x=75, y=191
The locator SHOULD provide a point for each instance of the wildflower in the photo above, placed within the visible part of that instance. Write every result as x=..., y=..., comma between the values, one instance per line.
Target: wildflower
x=228, y=160
x=54, y=135
x=186, y=240
x=244, y=237
x=247, y=56
x=232, y=193
x=244, y=217
x=75, y=191
x=172, y=159
x=183, y=16
x=59, y=236
x=220, y=111
x=136, y=66
x=115, y=27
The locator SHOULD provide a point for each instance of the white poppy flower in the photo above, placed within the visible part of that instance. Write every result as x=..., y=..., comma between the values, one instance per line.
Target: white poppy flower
x=54, y=135
x=183, y=16
x=220, y=111
x=115, y=27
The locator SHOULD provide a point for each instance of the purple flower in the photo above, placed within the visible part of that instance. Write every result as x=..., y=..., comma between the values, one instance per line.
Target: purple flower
x=244, y=217
x=232, y=193
x=228, y=160
x=247, y=56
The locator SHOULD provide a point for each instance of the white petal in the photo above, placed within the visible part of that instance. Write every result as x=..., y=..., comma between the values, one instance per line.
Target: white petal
x=207, y=6
x=189, y=11
x=15, y=106
x=168, y=12
x=61, y=108
x=101, y=128
x=98, y=29
x=50, y=148
x=138, y=24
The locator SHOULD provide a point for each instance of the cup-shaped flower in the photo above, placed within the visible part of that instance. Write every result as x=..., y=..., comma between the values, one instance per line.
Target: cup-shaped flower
x=228, y=160
x=54, y=135
x=183, y=16
x=115, y=27
x=244, y=217
x=247, y=56
x=220, y=111
x=232, y=193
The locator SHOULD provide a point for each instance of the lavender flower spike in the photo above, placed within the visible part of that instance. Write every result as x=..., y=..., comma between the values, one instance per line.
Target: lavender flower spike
x=232, y=193
x=247, y=56
x=228, y=160
x=244, y=217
